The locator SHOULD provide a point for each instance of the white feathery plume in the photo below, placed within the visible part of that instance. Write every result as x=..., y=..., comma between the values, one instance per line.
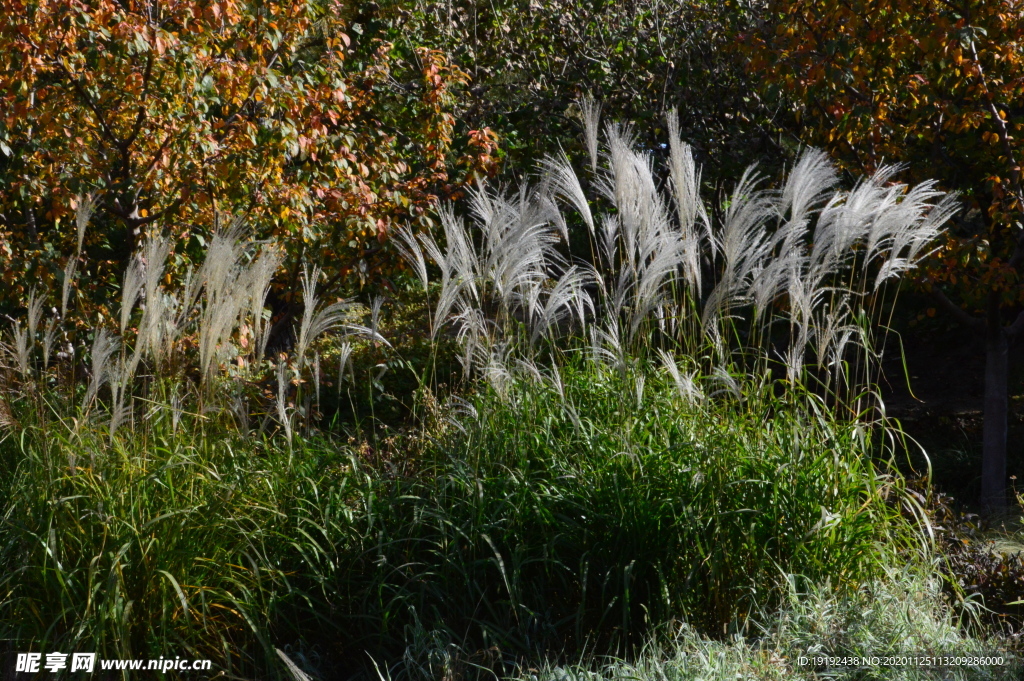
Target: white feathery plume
x=226, y=293
x=743, y=245
x=495, y=370
x=518, y=248
x=456, y=406
x=161, y=332
x=151, y=327
x=191, y=289
x=261, y=273
x=547, y=206
x=409, y=248
x=685, y=176
x=293, y=669
x=316, y=320
x=83, y=213
x=526, y=367
x=157, y=249
x=130, y=289
x=828, y=327
x=282, y=405
x=887, y=213
x=639, y=383
x=562, y=300
x=375, y=307
x=606, y=345
x=120, y=377
x=35, y=313
x=808, y=185
x=655, y=275
x=567, y=185
x=49, y=335
x=69, y=277
x=103, y=347
x=728, y=382
x=22, y=349
x=457, y=263
x=591, y=124
x=473, y=336
x=685, y=384
x=461, y=258
x=344, y=352
x=610, y=238
x=794, y=360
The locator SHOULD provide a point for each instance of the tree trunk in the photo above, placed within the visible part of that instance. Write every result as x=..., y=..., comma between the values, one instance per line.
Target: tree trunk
x=993, y=461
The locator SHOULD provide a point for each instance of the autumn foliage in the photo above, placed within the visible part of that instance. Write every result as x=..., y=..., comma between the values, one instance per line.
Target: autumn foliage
x=179, y=116
x=936, y=85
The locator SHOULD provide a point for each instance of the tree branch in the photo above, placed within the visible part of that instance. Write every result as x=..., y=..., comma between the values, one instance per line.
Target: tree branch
x=958, y=312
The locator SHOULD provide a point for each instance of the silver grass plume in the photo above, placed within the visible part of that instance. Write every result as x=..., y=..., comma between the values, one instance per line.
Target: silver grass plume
x=375, y=307
x=565, y=301
x=130, y=289
x=83, y=213
x=260, y=274
x=296, y=672
x=226, y=291
x=743, y=245
x=153, y=324
x=282, y=405
x=69, y=277
x=49, y=335
x=591, y=111
x=317, y=320
x=120, y=379
x=728, y=383
x=567, y=185
x=103, y=347
x=685, y=176
x=35, y=313
x=22, y=349
x=409, y=248
x=494, y=369
x=686, y=384
x=344, y=352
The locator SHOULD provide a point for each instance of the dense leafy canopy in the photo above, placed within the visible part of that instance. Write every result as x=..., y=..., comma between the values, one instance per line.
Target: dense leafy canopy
x=531, y=61
x=178, y=116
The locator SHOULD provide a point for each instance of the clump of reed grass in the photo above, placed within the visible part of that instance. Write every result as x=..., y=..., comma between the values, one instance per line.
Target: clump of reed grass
x=204, y=336
x=790, y=279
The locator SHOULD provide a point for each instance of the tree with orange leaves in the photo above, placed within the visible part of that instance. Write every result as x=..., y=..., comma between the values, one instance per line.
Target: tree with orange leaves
x=176, y=116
